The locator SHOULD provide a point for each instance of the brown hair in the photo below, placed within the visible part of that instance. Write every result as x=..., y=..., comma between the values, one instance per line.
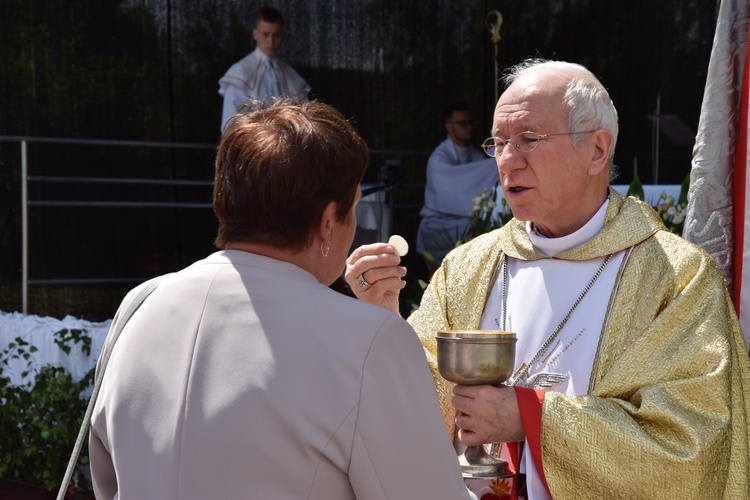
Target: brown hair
x=269, y=15
x=455, y=106
x=279, y=163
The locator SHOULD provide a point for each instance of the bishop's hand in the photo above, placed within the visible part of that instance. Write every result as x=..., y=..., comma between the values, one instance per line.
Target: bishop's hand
x=487, y=414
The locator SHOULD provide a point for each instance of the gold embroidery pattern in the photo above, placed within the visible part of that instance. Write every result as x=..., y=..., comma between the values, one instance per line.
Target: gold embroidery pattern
x=650, y=427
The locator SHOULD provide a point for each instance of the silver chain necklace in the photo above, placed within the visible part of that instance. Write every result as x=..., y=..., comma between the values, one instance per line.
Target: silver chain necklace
x=522, y=374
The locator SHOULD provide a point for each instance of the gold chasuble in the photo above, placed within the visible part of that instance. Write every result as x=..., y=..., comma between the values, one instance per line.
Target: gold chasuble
x=668, y=405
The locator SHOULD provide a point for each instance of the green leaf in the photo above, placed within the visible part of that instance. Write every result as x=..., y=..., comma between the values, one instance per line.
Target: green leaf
x=39, y=419
x=684, y=187
x=636, y=189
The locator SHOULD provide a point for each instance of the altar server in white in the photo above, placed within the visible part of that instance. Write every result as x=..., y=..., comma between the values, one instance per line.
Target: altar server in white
x=261, y=73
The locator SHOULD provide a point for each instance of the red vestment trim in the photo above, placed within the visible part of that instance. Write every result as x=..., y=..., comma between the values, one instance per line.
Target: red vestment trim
x=530, y=406
x=739, y=187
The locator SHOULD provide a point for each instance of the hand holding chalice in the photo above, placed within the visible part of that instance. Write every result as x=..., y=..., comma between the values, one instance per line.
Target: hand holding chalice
x=477, y=357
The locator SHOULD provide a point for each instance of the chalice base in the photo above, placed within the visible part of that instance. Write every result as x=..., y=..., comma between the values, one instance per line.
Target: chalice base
x=482, y=465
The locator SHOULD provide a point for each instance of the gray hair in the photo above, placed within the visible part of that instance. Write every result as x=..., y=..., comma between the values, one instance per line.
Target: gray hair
x=586, y=102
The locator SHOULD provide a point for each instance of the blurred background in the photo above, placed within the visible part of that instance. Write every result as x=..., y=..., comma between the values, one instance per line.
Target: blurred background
x=96, y=92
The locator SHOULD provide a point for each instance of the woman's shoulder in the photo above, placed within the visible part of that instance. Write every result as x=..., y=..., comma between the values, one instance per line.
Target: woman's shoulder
x=364, y=312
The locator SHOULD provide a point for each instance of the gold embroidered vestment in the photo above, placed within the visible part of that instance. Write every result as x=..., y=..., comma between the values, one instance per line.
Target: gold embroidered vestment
x=668, y=406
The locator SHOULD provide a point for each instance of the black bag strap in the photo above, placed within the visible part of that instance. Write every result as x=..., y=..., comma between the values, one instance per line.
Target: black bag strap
x=145, y=292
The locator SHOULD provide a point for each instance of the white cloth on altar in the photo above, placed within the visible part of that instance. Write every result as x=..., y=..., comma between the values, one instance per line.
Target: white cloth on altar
x=653, y=192
x=374, y=215
x=540, y=294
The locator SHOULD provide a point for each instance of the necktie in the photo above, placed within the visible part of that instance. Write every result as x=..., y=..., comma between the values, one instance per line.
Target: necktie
x=274, y=76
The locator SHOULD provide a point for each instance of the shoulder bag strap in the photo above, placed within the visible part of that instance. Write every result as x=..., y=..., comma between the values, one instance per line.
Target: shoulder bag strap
x=145, y=292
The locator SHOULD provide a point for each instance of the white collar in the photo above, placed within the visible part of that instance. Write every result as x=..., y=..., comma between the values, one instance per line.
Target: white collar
x=552, y=246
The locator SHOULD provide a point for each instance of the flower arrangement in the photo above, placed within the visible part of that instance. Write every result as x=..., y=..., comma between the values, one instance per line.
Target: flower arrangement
x=486, y=215
x=672, y=213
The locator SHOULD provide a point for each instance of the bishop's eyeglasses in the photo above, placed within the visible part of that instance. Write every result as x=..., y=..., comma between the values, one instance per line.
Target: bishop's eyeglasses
x=525, y=142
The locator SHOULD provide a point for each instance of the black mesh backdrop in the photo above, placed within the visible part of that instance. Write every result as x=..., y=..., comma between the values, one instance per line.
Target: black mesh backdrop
x=147, y=71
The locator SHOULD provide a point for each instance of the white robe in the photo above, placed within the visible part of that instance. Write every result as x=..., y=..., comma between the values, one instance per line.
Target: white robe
x=553, y=287
x=455, y=175
x=244, y=80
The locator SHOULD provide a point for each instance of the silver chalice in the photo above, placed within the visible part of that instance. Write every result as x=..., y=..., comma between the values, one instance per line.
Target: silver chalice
x=477, y=357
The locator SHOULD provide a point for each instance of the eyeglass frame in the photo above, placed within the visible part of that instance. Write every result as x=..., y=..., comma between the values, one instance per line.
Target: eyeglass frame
x=540, y=137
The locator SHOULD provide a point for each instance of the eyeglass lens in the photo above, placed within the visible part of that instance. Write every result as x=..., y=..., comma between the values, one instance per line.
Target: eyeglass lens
x=524, y=142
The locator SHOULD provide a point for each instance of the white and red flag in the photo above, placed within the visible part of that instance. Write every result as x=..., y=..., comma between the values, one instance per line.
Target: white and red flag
x=718, y=215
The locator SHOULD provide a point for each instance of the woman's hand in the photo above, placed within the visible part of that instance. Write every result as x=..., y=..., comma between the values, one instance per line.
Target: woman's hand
x=374, y=274
x=488, y=414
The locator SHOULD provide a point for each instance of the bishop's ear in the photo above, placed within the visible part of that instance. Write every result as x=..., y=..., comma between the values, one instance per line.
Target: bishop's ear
x=603, y=143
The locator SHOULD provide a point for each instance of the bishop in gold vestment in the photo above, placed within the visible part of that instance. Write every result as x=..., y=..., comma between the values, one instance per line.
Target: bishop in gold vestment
x=655, y=377
x=667, y=410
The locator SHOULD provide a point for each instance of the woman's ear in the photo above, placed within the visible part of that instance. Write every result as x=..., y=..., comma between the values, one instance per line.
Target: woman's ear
x=327, y=220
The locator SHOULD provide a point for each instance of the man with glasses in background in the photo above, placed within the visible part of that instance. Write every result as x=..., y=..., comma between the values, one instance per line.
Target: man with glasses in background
x=457, y=172
x=631, y=376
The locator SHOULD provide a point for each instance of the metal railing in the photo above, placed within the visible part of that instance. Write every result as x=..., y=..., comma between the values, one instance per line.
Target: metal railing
x=26, y=203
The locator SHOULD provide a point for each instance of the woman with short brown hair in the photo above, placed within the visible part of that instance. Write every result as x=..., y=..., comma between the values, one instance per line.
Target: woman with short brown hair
x=245, y=375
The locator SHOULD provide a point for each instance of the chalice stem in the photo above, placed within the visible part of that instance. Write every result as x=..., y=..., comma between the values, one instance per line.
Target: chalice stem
x=477, y=455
